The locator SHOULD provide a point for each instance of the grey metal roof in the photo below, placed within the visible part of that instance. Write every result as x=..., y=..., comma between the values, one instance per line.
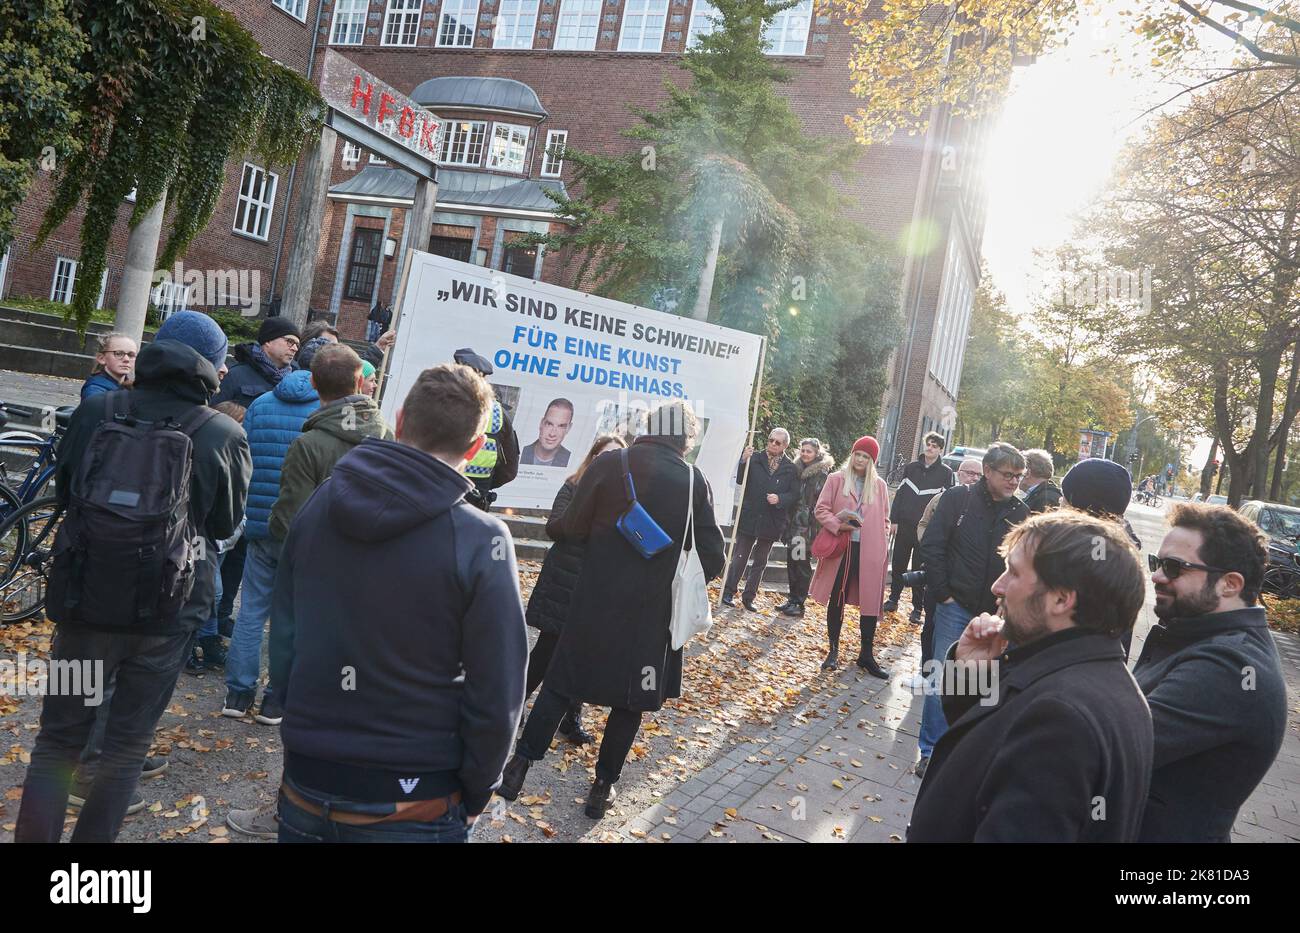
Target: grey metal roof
x=478, y=189
x=463, y=92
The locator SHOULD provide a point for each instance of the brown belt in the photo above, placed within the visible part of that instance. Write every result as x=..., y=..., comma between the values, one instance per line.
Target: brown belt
x=422, y=811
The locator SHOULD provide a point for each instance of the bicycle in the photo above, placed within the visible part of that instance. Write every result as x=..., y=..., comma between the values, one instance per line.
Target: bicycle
x=28, y=460
x=1281, y=581
x=26, y=556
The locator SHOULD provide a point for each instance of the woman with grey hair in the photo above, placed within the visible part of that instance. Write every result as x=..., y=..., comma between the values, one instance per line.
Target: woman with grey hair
x=813, y=465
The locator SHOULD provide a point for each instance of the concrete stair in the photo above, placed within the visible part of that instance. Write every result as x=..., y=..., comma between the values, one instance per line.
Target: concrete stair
x=44, y=344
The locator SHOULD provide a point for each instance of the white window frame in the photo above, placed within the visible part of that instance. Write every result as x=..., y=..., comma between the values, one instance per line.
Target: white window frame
x=405, y=16
x=468, y=9
x=638, y=15
x=170, y=297
x=295, y=8
x=103, y=289
x=956, y=300
x=458, y=139
x=351, y=154
x=510, y=128
x=65, y=270
x=700, y=24
x=554, y=168
x=351, y=16
x=4, y=269
x=377, y=159
x=580, y=19
x=516, y=24
x=784, y=29
x=256, y=210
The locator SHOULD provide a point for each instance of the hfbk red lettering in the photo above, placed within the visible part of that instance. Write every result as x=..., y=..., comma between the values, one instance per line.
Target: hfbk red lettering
x=386, y=102
x=428, y=129
x=406, y=123
x=356, y=92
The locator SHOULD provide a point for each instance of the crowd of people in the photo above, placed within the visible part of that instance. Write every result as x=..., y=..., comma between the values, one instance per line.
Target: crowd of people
x=399, y=722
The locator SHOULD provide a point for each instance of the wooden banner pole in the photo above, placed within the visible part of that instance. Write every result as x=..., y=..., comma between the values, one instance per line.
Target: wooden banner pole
x=753, y=417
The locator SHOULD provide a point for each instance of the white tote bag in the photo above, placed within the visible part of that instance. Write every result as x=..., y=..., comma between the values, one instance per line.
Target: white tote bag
x=692, y=614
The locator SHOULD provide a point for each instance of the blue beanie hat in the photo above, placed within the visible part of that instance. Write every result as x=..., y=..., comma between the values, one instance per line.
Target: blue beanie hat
x=1096, y=485
x=199, y=332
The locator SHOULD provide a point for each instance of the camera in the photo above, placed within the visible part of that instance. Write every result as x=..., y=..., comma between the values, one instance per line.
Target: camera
x=914, y=578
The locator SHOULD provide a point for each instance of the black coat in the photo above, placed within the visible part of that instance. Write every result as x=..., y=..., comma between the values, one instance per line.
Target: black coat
x=1046, y=495
x=1216, y=737
x=758, y=518
x=247, y=379
x=548, y=606
x=960, y=545
x=388, y=572
x=1069, y=734
x=920, y=484
x=803, y=524
x=615, y=648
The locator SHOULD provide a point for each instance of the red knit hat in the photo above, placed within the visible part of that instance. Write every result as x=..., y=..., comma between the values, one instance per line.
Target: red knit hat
x=868, y=444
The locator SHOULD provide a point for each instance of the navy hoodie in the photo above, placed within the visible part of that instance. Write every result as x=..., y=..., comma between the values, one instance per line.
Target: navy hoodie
x=397, y=635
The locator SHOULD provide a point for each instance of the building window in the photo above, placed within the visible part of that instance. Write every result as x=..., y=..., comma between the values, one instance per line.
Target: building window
x=170, y=297
x=402, y=22
x=515, y=24
x=643, y=26
x=956, y=298
x=349, y=22
x=103, y=289
x=453, y=247
x=364, y=263
x=295, y=8
x=456, y=28
x=787, y=32
x=256, y=196
x=578, y=24
x=462, y=143
x=377, y=160
x=351, y=155
x=509, y=144
x=553, y=158
x=705, y=18
x=518, y=258
x=65, y=278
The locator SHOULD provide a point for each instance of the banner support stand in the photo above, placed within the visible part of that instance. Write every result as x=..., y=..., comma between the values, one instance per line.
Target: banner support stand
x=753, y=417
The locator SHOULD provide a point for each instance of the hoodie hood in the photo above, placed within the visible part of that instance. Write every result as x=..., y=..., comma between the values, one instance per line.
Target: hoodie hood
x=351, y=419
x=296, y=387
x=382, y=489
x=176, y=368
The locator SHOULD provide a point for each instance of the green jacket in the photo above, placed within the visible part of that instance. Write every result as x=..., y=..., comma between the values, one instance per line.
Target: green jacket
x=327, y=435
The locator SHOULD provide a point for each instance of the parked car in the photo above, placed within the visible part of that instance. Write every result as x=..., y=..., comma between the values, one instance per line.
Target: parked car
x=1217, y=500
x=1281, y=523
x=954, y=457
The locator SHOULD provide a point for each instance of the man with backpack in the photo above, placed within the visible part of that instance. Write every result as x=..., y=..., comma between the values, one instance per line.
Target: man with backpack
x=150, y=480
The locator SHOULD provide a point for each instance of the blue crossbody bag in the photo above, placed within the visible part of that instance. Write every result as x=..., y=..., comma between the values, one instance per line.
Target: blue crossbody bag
x=635, y=524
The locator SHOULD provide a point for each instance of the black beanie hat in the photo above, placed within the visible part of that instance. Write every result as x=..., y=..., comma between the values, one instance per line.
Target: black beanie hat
x=1096, y=485
x=274, y=328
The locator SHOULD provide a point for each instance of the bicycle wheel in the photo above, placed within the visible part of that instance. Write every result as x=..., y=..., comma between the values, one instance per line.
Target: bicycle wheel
x=21, y=456
x=9, y=504
x=27, y=537
x=1281, y=582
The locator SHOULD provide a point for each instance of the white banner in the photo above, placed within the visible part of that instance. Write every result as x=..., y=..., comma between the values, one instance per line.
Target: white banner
x=569, y=366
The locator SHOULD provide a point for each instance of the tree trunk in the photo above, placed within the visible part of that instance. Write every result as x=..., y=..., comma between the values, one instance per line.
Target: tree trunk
x=1283, y=434
x=1049, y=437
x=1207, y=471
x=704, y=293
x=137, y=276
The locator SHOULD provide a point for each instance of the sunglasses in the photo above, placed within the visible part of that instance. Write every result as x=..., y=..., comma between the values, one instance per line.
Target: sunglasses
x=1173, y=568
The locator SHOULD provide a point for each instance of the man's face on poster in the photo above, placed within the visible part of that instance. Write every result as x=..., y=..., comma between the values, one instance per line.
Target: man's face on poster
x=554, y=427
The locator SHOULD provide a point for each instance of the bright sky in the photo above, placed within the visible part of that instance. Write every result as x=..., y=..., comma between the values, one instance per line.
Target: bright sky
x=1064, y=123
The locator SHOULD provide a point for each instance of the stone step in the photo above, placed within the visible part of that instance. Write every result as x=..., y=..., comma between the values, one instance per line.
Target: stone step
x=39, y=317
x=47, y=335
x=45, y=362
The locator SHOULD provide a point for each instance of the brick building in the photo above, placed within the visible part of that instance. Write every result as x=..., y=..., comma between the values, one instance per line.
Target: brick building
x=515, y=81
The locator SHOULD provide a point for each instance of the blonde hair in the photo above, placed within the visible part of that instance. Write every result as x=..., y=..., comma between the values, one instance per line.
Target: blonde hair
x=104, y=344
x=868, y=479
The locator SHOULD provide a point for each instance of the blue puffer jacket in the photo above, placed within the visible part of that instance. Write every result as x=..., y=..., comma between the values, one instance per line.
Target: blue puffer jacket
x=273, y=421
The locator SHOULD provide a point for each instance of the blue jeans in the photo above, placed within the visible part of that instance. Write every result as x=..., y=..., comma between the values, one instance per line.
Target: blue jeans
x=244, y=657
x=950, y=620
x=373, y=331
x=297, y=825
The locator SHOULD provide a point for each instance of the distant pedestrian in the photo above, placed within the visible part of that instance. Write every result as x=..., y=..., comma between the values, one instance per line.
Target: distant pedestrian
x=1037, y=487
x=548, y=606
x=854, y=503
x=115, y=356
x=1057, y=748
x=616, y=647
x=261, y=365
x=961, y=554
x=176, y=376
x=378, y=321
x=923, y=479
x=771, y=489
x=812, y=467
x=404, y=677
x=1211, y=674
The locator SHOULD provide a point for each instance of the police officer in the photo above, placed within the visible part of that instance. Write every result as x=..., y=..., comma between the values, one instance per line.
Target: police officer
x=497, y=462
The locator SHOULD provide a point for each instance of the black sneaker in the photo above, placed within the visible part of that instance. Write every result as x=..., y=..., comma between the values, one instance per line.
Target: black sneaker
x=749, y=605
x=890, y=606
x=238, y=702
x=727, y=601
x=921, y=766
x=915, y=617
x=77, y=798
x=153, y=767
x=194, y=664
x=214, y=652
x=270, y=712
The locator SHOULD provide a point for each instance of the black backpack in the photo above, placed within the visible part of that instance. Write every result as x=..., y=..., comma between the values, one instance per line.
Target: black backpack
x=124, y=555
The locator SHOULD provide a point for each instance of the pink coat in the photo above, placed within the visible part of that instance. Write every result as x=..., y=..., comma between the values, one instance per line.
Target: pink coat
x=866, y=587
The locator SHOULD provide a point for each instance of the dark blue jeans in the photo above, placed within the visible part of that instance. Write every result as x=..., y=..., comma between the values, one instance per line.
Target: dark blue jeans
x=297, y=825
x=146, y=668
